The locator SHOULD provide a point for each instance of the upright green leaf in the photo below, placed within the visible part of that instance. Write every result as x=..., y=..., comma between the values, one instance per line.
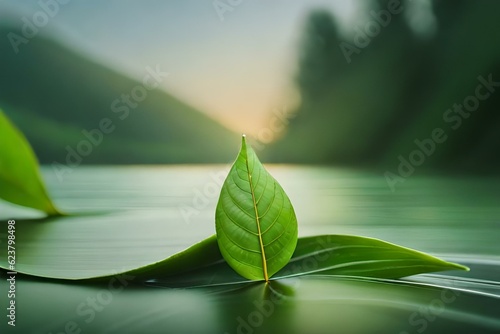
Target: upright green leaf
x=255, y=221
x=20, y=181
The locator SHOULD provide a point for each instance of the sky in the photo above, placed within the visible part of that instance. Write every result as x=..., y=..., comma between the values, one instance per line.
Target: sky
x=237, y=66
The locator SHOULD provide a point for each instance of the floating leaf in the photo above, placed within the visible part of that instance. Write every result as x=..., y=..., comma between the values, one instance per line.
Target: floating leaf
x=360, y=256
x=255, y=221
x=202, y=264
x=330, y=255
x=20, y=180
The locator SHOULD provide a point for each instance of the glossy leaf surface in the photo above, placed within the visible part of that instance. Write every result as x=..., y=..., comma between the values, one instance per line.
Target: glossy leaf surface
x=255, y=221
x=203, y=265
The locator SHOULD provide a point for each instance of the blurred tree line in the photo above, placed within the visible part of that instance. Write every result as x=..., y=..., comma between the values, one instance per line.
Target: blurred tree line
x=376, y=103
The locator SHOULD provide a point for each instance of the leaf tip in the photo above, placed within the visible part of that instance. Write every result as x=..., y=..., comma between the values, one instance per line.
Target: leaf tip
x=243, y=140
x=459, y=266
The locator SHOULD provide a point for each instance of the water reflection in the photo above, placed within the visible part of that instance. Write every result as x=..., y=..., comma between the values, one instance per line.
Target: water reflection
x=300, y=305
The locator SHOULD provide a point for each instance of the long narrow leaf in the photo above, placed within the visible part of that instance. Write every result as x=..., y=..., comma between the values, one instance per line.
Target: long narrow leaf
x=202, y=264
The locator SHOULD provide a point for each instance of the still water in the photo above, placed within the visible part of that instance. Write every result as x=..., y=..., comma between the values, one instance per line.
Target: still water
x=130, y=216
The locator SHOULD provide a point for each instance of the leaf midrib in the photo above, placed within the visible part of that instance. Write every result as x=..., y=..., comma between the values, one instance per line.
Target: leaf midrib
x=257, y=220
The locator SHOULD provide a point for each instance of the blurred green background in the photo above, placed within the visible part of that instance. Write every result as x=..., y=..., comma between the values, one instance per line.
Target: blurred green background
x=313, y=82
x=374, y=86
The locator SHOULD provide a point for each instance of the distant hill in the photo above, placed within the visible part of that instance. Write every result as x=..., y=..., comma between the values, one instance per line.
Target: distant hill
x=398, y=89
x=53, y=94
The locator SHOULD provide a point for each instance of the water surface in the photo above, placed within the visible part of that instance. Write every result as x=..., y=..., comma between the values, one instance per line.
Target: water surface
x=131, y=216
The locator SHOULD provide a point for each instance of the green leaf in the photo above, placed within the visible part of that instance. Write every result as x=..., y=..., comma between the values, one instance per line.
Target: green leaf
x=20, y=180
x=202, y=263
x=329, y=255
x=255, y=221
x=360, y=256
